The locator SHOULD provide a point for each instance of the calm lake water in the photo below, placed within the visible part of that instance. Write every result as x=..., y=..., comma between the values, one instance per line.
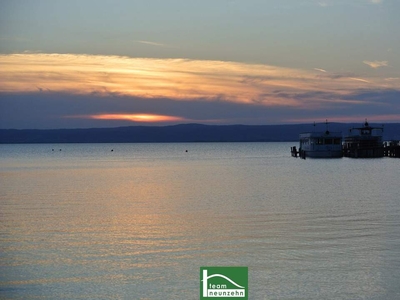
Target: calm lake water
x=138, y=222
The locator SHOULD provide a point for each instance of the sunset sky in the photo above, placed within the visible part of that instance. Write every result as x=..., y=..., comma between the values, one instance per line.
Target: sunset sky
x=104, y=63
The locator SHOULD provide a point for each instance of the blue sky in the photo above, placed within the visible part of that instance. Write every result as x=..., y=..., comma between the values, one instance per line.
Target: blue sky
x=220, y=62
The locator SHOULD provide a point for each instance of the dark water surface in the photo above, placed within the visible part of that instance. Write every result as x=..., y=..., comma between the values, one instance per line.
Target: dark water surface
x=138, y=222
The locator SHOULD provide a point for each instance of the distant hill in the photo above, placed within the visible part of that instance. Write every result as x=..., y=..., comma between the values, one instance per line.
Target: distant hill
x=180, y=133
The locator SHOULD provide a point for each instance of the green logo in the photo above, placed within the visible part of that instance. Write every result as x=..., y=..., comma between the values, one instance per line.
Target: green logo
x=223, y=283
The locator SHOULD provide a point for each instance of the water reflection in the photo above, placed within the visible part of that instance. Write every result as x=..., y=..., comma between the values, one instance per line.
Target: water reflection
x=141, y=224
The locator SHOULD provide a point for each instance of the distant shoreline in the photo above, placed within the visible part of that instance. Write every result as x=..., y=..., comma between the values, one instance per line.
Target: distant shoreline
x=184, y=133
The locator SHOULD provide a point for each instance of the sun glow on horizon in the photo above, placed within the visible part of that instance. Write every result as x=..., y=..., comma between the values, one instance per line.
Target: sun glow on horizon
x=134, y=117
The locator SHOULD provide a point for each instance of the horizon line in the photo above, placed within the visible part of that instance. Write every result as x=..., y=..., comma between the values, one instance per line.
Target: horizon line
x=202, y=124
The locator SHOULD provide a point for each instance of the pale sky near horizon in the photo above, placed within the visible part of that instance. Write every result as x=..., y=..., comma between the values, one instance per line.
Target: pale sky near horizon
x=66, y=64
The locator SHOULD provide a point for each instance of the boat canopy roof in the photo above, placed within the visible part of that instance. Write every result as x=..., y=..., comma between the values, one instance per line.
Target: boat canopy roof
x=365, y=130
x=330, y=134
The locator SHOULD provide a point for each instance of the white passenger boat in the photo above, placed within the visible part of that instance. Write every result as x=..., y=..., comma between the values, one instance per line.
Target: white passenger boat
x=321, y=144
x=325, y=144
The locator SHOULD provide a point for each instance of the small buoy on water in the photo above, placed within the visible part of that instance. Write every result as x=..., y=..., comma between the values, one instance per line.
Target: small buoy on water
x=112, y=150
x=186, y=151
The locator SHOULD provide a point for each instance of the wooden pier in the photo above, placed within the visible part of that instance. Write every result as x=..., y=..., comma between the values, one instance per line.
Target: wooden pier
x=294, y=151
x=297, y=153
x=391, y=149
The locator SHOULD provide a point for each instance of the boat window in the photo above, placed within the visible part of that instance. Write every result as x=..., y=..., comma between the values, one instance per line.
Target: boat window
x=304, y=141
x=328, y=141
x=336, y=141
x=320, y=141
x=365, y=132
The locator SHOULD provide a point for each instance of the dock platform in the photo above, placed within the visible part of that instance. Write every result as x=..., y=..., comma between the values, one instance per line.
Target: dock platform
x=391, y=149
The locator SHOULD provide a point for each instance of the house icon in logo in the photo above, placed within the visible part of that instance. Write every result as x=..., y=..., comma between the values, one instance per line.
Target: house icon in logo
x=223, y=282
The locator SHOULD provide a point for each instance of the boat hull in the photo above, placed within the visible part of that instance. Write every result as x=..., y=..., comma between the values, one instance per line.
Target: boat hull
x=324, y=154
x=364, y=153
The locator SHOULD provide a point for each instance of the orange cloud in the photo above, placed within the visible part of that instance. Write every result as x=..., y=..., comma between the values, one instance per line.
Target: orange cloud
x=178, y=79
